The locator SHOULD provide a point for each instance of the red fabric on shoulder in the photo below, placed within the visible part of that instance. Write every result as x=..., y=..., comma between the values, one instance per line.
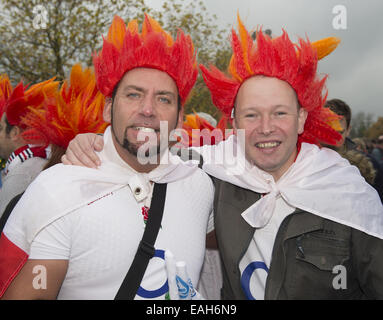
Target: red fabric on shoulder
x=12, y=259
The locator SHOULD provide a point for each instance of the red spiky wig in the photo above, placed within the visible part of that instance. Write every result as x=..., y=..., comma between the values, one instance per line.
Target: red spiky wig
x=5, y=92
x=22, y=100
x=125, y=48
x=204, y=133
x=282, y=59
x=74, y=108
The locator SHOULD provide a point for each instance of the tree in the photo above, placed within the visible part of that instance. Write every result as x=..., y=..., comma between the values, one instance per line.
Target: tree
x=208, y=38
x=376, y=129
x=360, y=124
x=42, y=39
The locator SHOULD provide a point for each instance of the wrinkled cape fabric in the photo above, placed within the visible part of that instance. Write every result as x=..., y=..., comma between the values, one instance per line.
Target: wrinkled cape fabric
x=320, y=182
x=61, y=189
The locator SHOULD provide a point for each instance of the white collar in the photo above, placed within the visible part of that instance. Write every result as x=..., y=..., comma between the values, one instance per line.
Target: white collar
x=320, y=182
x=171, y=168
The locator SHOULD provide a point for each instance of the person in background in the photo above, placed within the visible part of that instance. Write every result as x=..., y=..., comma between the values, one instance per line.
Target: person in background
x=5, y=91
x=74, y=108
x=371, y=166
x=342, y=109
x=369, y=145
x=377, y=152
x=24, y=160
x=348, y=149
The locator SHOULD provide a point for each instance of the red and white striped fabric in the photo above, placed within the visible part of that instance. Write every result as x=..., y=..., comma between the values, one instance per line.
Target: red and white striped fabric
x=22, y=154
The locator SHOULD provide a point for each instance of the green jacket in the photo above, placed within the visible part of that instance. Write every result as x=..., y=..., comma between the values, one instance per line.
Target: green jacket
x=306, y=250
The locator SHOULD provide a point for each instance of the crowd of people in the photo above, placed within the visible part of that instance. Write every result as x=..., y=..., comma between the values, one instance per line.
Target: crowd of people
x=268, y=211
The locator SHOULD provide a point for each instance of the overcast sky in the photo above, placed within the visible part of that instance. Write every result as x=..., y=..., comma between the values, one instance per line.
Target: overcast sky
x=355, y=68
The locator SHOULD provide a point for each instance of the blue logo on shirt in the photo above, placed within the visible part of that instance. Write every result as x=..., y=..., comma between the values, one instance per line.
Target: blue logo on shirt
x=246, y=275
x=158, y=292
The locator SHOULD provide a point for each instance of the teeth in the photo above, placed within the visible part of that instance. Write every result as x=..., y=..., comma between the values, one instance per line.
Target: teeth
x=267, y=145
x=145, y=129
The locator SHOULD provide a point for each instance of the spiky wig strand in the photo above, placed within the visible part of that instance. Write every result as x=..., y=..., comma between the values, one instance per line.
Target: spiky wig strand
x=76, y=108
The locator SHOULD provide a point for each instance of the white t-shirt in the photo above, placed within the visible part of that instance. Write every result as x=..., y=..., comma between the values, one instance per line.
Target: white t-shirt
x=100, y=239
x=18, y=179
x=255, y=264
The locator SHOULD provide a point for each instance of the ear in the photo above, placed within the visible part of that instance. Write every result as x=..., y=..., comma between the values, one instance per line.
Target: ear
x=234, y=124
x=302, y=117
x=180, y=119
x=348, y=131
x=15, y=134
x=107, y=113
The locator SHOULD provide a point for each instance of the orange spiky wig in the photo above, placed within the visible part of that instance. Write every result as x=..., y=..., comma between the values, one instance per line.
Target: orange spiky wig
x=75, y=108
x=125, y=48
x=5, y=92
x=22, y=100
x=280, y=58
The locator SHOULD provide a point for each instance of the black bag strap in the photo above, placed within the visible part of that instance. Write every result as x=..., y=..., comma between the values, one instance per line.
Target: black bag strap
x=7, y=212
x=146, y=248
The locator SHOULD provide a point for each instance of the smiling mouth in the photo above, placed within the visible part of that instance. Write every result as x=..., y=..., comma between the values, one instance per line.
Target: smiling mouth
x=267, y=145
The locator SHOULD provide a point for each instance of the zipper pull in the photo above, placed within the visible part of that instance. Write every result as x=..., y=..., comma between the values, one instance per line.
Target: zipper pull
x=300, y=248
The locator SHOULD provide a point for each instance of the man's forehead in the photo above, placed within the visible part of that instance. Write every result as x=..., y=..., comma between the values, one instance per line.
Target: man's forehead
x=143, y=76
x=262, y=91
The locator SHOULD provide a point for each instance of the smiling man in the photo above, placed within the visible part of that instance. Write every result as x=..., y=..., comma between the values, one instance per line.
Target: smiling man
x=268, y=110
x=299, y=212
x=138, y=108
x=84, y=226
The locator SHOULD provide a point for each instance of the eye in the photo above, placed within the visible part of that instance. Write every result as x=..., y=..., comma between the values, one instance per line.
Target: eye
x=133, y=95
x=165, y=100
x=280, y=113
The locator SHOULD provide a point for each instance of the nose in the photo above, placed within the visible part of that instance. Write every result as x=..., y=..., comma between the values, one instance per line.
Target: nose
x=147, y=106
x=266, y=126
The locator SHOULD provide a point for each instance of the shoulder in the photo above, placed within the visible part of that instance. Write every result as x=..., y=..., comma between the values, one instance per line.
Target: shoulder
x=30, y=167
x=200, y=181
x=228, y=195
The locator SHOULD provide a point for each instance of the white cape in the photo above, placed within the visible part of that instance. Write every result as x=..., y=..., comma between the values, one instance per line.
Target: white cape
x=61, y=189
x=320, y=182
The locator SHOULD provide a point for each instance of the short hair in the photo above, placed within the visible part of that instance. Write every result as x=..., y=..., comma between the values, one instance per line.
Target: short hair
x=341, y=108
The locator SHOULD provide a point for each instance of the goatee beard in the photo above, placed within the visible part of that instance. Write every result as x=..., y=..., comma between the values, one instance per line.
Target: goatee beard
x=132, y=149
